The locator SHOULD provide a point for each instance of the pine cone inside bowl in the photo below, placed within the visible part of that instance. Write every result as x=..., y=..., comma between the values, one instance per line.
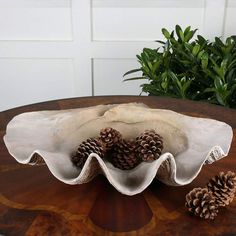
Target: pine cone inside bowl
x=124, y=156
x=149, y=145
x=223, y=187
x=109, y=137
x=201, y=203
x=91, y=145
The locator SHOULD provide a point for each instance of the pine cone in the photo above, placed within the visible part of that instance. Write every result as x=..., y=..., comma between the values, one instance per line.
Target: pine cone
x=149, y=145
x=201, y=203
x=223, y=187
x=109, y=137
x=124, y=156
x=91, y=145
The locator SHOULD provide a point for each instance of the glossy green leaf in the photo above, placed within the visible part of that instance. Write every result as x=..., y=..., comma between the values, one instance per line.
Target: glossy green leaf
x=204, y=60
x=190, y=35
x=218, y=83
x=187, y=30
x=135, y=78
x=201, y=40
x=199, y=56
x=207, y=90
x=220, y=100
x=196, y=49
x=219, y=42
x=179, y=32
x=159, y=41
x=165, y=33
x=132, y=71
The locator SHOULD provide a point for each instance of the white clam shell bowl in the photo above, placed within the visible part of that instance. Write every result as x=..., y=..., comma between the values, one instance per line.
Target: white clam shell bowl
x=189, y=143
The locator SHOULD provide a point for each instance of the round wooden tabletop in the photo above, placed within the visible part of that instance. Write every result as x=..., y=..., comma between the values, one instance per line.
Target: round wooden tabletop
x=33, y=202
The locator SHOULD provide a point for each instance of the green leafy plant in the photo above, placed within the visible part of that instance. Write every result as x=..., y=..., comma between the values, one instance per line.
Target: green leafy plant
x=190, y=68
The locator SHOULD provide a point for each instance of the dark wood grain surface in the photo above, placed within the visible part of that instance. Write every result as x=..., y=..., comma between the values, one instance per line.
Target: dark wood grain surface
x=33, y=202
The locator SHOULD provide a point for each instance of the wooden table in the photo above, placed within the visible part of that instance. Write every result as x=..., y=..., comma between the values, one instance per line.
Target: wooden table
x=33, y=202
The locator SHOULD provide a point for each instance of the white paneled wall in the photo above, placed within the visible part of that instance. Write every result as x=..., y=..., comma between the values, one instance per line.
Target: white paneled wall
x=53, y=49
x=230, y=18
x=35, y=20
x=142, y=20
x=33, y=80
x=106, y=83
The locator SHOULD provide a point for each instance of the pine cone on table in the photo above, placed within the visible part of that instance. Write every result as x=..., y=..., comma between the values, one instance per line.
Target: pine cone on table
x=223, y=187
x=123, y=155
x=109, y=137
x=149, y=145
x=91, y=145
x=201, y=203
